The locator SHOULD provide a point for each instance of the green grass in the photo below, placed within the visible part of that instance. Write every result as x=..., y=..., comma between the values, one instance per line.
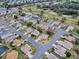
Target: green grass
x=74, y=32
x=37, y=11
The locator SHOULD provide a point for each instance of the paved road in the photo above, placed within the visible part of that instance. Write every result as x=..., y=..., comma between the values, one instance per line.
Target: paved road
x=41, y=49
x=22, y=35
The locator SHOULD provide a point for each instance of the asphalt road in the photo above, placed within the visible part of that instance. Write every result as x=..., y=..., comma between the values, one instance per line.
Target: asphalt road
x=40, y=49
x=43, y=49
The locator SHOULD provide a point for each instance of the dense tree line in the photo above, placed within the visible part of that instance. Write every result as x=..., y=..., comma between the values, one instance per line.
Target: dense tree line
x=68, y=8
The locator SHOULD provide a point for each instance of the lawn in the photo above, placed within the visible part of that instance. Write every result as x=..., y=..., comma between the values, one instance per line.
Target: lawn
x=34, y=10
x=51, y=14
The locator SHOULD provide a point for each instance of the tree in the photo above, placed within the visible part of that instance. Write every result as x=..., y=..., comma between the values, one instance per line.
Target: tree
x=15, y=17
x=77, y=31
x=30, y=10
x=39, y=29
x=63, y=20
x=44, y=57
x=77, y=42
x=77, y=22
x=42, y=12
x=51, y=50
x=68, y=54
x=38, y=6
x=1, y=40
x=29, y=24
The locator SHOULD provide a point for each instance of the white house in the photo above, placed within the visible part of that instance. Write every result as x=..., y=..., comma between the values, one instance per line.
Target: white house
x=2, y=11
x=70, y=28
x=60, y=50
x=66, y=44
x=36, y=33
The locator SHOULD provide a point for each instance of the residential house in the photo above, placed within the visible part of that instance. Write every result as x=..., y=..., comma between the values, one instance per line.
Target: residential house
x=28, y=30
x=26, y=49
x=35, y=33
x=70, y=28
x=13, y=10
x=18, y=42
x=2, y=26
x=52, y=56
x=2, y=11
x=22, y=28
x=26, y=17
x=42, y=36
x=70, y=38
x=12, y=55
x=46, y=25
x=55, y=23
x=60, y=50
x=9, y=38
x=66, y=44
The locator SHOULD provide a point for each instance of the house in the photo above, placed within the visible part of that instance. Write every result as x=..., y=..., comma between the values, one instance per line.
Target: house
x=70, y=38
x=60, y=50
x=2, y=11
x=12, y=55
x=26, y=49
x=70, y=28
x=66, y=44
x=13, y=10
x=13, y=21
x=50, y=30
x=28, y=30
x=35, y=16
x=55, y=23
x=18, y=25
x=52, y=56
x=2, y=26
x=22, y=28
x=42, y=36
x=9, y=38
x=61, y=26
x=18, y=42
x=26, y=17
x=45, y=25
x=2, y=50
x=5, y=35
x=50, y=21
x=35, y=33
x=1, y=3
